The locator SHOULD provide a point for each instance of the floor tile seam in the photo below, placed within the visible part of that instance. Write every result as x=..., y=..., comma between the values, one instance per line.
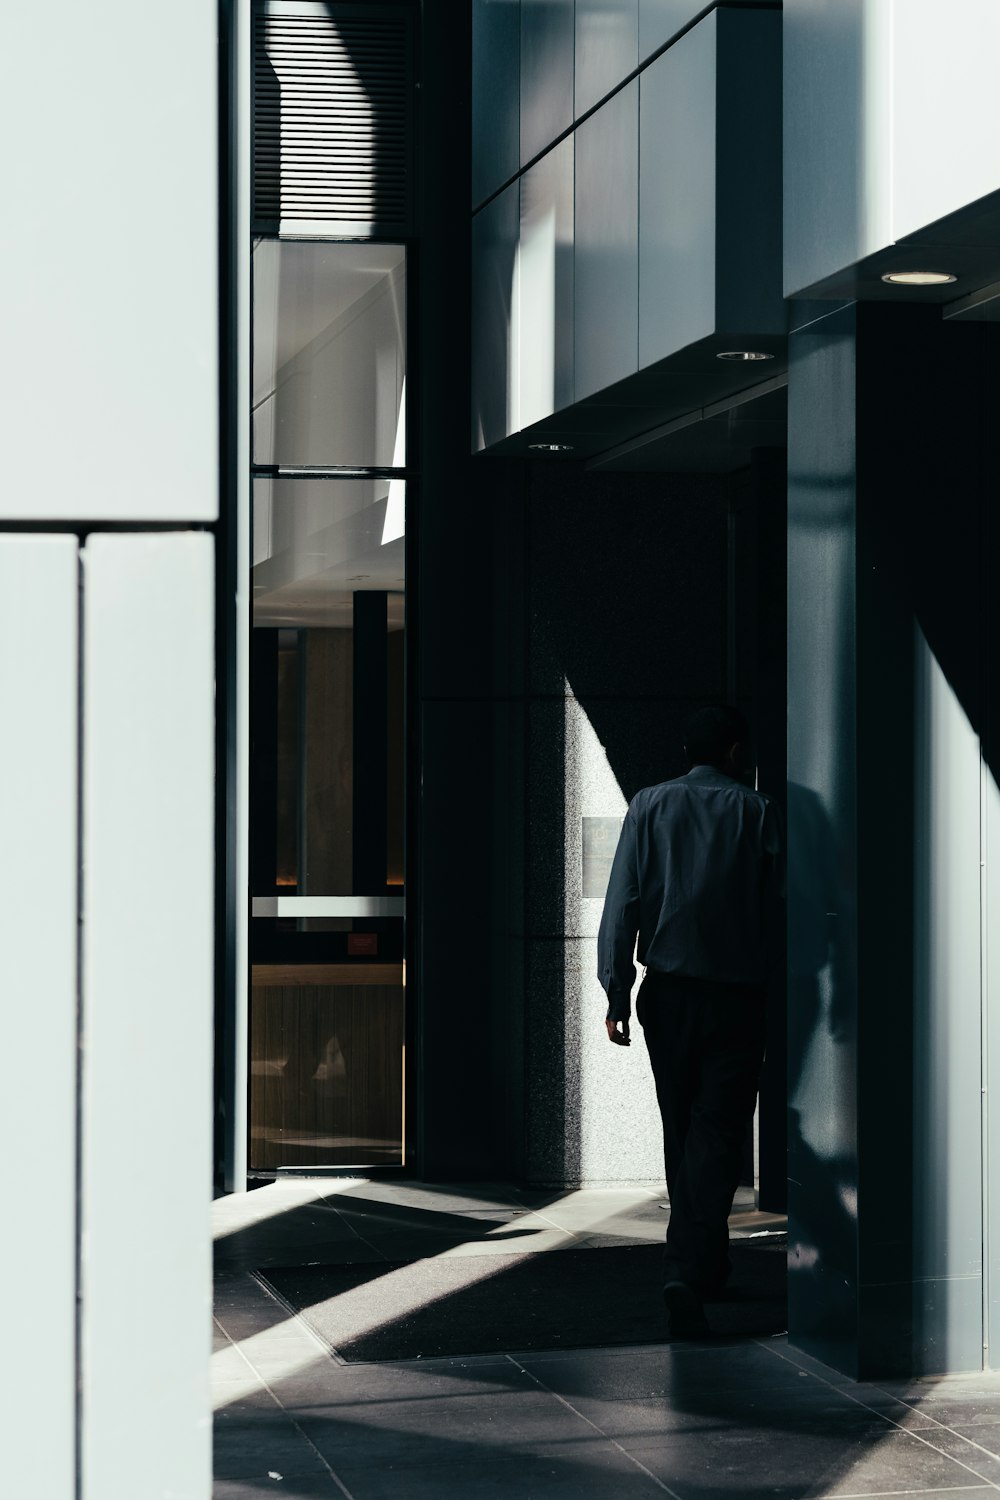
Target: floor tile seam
x=311, y=1337
x=235, y=1347
x=931, y=1422
x=637, y=1463
x=294, y=1422
x=342, y=1487
x=241, y=1330
x=223, y=1324
x=354, y=1407
x=236, y=1288
x=908, y=1431
x=385, y=1259
x=541, y=1214
x=354, y=1208
x=329, y=1201
x=940, y=1489
x=988, y=1452
x=537, y=1356
x=265, y=1382
x=624, y=1351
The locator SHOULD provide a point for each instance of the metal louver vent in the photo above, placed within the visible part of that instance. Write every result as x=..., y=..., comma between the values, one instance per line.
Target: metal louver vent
x=331, y=120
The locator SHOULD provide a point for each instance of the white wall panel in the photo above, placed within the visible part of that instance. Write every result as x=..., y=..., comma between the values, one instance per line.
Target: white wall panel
x=496, y=94
x=945, y=108
x=837, y=143
x=543, y=355
x=39, y=602
x=991, y=1040
x=607, y=48
x=892, y=121
x=109, y=299
x=494, y=261
x=677, y=195
x=748, y=197
x=947, y=1061
x=147, y=1000
x=547, y=46
x=607, y=249
x=659, y=20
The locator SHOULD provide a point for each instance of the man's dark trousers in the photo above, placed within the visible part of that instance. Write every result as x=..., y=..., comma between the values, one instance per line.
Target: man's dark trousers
x=706, y=1046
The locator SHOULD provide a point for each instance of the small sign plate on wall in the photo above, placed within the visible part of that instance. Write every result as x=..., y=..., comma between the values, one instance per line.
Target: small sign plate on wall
x=362, y=944
x=600, y=840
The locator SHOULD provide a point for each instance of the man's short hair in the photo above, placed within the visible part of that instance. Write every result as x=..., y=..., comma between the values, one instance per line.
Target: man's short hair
x=712, y=731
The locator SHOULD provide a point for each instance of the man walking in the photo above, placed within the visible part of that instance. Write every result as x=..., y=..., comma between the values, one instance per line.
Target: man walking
x=695, y=876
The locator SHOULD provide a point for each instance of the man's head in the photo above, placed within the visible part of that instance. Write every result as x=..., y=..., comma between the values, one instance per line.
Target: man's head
x=718, y=736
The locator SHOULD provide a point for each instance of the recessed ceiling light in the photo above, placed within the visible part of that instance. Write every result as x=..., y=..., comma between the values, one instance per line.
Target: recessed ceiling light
x=743, y=355
x=551, y=447
x=919, y=278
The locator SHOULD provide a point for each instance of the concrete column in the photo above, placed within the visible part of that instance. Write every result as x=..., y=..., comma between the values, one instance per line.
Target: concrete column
x=887, y=498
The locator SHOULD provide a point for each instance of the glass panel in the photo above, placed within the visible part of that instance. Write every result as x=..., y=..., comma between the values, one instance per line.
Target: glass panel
x=326, y=1077
x=327, y=821
x=329, y=354
x=315, y=542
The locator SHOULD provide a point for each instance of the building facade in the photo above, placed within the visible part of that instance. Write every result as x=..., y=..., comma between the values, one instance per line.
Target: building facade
x=705, y=237
x=480, y=389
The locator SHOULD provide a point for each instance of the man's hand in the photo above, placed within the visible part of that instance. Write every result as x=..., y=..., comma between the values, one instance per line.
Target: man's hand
x=620, y=1038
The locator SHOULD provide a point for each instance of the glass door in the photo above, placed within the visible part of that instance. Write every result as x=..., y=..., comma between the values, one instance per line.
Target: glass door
x=327, y=706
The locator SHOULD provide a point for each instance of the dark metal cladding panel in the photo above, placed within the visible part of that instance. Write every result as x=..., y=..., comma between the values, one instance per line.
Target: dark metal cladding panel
x=331, y=118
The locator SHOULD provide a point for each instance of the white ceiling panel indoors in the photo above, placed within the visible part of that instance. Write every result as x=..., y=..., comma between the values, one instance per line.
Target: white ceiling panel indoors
x=316, y=542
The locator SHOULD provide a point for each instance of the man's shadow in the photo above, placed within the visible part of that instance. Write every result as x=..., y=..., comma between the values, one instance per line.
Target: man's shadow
x=822, y=1228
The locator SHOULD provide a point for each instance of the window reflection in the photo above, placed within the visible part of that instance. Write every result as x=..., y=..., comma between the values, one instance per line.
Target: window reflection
x=329, y=338
x=317, y=541
x=327, y=819
x=326, y=1065
x=328, y=763
x=327, y=706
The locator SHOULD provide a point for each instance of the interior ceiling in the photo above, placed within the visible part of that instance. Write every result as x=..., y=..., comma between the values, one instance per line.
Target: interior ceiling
x=312, y=581
x=325, y=603
x=302, y=286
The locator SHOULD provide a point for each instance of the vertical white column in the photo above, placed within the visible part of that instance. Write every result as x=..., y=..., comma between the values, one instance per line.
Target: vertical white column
x=109, y=297
x=990, y=900
x=947, y=997
x=239, y=1057
x=147, y=1009
x=39, y=595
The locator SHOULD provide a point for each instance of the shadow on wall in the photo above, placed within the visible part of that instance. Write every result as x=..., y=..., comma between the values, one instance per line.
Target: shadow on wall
x=302, y=173
x=892, y=547
x=627, y=634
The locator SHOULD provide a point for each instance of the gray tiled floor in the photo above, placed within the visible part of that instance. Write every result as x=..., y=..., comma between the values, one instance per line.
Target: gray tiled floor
x=747, y=1420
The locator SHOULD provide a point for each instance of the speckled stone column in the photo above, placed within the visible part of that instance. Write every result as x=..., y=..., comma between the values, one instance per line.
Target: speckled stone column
x=626, y=598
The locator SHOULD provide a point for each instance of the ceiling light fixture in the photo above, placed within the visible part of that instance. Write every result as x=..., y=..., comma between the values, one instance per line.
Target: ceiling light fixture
x=918, y=278
x=550, y=447
x=743, y=356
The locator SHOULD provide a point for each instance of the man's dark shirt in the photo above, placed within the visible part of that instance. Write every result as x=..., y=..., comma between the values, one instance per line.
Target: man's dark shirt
x=694, y=875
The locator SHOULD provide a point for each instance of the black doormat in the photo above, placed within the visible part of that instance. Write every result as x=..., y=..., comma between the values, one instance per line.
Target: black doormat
x=561, y=1299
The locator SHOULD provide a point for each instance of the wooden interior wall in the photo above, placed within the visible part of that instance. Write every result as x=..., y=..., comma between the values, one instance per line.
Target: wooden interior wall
x=326, y=1073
